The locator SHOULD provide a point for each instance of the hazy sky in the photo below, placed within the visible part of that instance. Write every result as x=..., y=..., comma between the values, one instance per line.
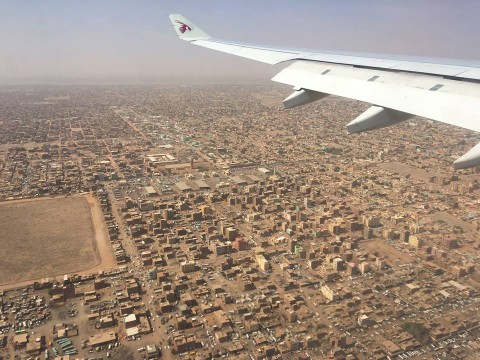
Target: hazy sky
x=87, y=39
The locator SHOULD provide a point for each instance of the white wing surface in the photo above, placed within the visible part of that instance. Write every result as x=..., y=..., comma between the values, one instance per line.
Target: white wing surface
x=398, y=88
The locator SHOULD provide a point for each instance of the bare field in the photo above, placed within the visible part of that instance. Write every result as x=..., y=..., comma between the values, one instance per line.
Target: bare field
x=452, y=220
x=392, y=255
x=404, y=169
x=46, y=237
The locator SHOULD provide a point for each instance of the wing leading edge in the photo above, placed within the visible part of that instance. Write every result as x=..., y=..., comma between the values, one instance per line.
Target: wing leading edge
x=398, y=89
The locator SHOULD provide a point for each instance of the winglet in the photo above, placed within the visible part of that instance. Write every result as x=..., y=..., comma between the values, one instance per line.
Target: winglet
x=186, y=30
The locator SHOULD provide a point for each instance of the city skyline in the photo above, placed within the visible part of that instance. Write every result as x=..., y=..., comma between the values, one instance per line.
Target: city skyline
x=206, y=222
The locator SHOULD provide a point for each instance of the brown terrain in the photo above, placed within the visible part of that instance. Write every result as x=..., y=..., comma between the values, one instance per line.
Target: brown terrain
x=393, y=256
x=51, y=237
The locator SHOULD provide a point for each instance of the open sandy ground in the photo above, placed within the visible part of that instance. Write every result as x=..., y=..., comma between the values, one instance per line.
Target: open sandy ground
x=51, y=237
x=392, y=255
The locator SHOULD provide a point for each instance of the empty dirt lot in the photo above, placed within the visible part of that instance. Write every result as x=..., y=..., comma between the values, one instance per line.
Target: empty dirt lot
x=404, y=169
x=48, y=237
x=393, y=256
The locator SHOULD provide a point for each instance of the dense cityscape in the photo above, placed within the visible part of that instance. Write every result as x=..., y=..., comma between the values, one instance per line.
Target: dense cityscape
x=196, y=222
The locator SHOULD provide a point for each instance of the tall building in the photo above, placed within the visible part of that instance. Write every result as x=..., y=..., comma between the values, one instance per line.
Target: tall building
x=415, y=242
x=292, y=244
x=449, y=243
x=262, y=263
x=329, y=293
x=364, y=267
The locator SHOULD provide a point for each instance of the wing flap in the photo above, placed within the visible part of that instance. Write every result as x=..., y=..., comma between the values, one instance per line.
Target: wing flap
x=421, y=98
x=470, y=74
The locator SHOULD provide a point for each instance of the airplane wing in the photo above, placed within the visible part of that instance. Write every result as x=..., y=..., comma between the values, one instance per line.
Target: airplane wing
x=398, y=89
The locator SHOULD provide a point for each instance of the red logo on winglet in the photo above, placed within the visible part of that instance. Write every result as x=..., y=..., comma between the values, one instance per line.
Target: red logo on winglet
x=183, y=27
